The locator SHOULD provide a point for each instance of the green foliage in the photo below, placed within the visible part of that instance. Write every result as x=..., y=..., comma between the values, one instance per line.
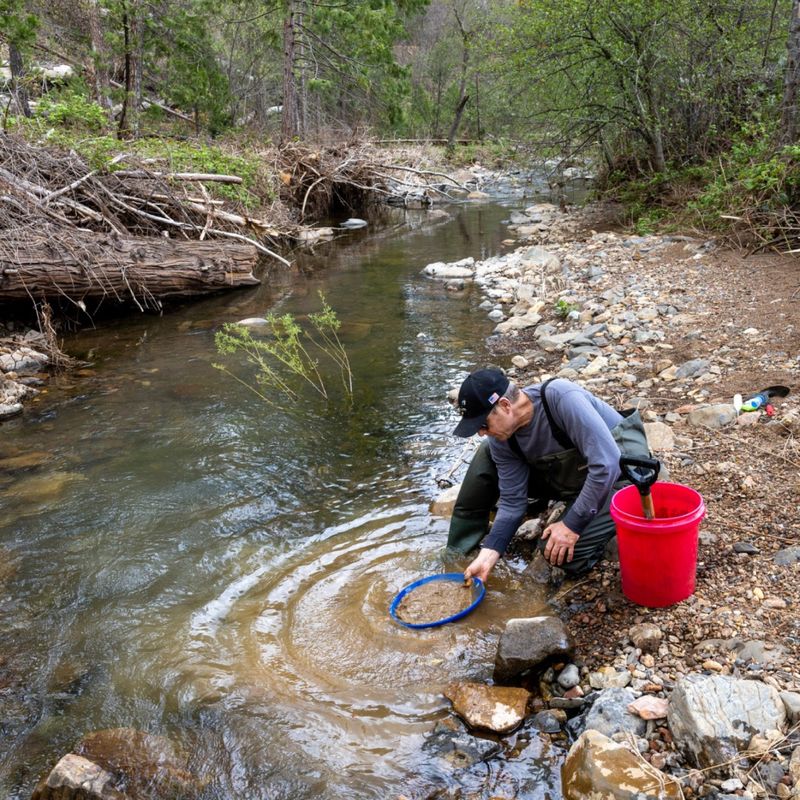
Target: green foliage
x=17, y=26
x=72, y=108
x=287, y=360
x=563, y=308
x=754, y=174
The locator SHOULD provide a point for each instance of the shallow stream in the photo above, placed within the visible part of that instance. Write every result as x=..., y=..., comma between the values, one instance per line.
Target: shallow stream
x=182, y=558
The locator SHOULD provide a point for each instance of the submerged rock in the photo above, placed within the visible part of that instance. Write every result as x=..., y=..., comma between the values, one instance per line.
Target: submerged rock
x=451, y=743
x=77, y=778
x=500, y=709
x=601, y=769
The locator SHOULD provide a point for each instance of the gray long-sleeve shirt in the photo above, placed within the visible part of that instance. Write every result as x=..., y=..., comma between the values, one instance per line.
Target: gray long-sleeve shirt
x=587, y=421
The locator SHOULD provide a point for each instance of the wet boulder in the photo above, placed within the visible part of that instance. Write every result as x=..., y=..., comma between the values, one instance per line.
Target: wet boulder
x=444, y=504
x=499, y=709
x=599, y=768
x=451, y=743
x=527, y=643
x=712, y=717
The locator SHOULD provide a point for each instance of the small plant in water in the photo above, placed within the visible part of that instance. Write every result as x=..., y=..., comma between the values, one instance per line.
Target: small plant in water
x=564, y=308
x=288, y=356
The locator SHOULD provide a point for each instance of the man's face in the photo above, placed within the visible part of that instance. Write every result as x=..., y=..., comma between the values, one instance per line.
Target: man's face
x=500, y=422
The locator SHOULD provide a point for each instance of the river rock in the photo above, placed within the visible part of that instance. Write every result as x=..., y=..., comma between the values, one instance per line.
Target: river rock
x=147, y=764
x=646, y=636
x=609, y=714
x=715, y=416
x=77, y=778
x=659, y=436
x=712, y=717
x=499, y=709
x=458, y=269
x=601, y=769
x=354, y=223
x=443, y=505
x=649, y=707
x=536, y=260
x=569, y=677
x=791, y=702
x=458, y=748
x=787, y=556
x=693, y=368
x=23, y=360
x=609, y=678
x=526, y=643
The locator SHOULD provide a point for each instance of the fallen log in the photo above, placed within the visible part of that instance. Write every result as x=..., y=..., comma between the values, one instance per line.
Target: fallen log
x=138, y=270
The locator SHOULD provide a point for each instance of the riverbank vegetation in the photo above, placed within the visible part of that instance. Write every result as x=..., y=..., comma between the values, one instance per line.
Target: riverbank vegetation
x=686, y=110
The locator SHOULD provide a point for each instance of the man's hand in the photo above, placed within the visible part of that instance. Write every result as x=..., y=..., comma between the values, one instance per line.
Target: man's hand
x=482, y=565
x=561, y=546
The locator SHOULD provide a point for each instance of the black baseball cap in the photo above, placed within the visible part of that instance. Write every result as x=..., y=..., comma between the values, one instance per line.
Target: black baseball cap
x=477, y=397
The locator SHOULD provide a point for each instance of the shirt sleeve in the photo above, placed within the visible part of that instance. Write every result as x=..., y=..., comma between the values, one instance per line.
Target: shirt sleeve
x=591, y=436
x=513, y=478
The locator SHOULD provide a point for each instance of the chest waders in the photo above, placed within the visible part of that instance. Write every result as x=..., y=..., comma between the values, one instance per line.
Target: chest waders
x=556, y=476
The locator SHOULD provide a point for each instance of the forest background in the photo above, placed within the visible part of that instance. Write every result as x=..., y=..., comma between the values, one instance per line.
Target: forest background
x=686, y=109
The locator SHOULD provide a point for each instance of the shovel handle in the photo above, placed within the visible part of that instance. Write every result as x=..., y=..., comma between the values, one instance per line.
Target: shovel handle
x=647, y=506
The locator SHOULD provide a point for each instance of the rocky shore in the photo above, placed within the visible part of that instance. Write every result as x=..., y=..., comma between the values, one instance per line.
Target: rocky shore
x=699, y=699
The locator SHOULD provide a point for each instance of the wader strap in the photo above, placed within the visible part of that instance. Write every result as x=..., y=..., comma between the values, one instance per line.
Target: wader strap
x=559, y=434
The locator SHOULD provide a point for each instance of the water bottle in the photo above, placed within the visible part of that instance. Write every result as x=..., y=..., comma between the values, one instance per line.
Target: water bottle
x=755, y=402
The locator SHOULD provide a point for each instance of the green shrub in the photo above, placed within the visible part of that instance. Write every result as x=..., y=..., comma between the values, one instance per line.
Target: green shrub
x=72, y=109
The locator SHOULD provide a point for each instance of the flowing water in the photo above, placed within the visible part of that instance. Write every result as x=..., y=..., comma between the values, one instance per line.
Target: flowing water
x=182, y=558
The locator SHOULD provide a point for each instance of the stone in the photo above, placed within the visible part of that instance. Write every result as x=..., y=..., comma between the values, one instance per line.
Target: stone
x=713, y=416
x=646, y=636
x=745, y=547
x=520, y=362
x=569, y=677
x=693, y=368
x=787, y=556
x=609, y=714
x=526, y=643
x=547, y=722
x=659, y=436
x=600, y=769
x=712, y=717
x=143, y=761
x=609, y=678
x=459, y=269
x=443, y=505
x=458, y=748
x=791, y=702
x=649, y=707
x=499, y=709
x=77, y=778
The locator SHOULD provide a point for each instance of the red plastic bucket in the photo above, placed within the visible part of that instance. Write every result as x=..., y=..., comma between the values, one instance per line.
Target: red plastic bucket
x=658, y=557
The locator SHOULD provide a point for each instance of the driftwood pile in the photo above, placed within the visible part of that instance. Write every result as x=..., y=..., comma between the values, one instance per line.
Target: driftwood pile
x=132, y=235
x=135, y=234
x=319, y=181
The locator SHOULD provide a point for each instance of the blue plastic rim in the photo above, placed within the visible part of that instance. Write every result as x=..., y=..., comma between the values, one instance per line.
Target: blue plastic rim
x=458, y=577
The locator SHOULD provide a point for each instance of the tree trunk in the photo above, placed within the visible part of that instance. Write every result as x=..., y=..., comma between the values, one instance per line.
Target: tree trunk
x=289, y=113
x=463, y=97
x=789, y=126
x=100, y=57
x=136, y=270
x=18, y=89
x=123, y=130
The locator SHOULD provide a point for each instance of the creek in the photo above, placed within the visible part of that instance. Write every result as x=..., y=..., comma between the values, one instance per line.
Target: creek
x=182, y=558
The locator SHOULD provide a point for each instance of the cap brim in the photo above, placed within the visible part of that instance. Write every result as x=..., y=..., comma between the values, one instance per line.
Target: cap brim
x=469, y=426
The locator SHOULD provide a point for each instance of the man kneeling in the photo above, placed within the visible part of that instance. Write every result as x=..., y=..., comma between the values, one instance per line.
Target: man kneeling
x=549, y=441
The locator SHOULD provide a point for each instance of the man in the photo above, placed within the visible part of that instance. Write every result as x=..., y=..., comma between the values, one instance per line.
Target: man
x=551, y=441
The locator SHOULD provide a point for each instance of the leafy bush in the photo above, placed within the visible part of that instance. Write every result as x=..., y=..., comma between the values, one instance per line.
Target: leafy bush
x=73, y=109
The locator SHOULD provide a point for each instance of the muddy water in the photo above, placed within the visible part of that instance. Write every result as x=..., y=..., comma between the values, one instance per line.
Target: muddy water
x=181, y=558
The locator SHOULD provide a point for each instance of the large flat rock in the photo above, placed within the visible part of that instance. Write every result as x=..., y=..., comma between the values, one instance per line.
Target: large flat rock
x=712, y=717
x=527, y=643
